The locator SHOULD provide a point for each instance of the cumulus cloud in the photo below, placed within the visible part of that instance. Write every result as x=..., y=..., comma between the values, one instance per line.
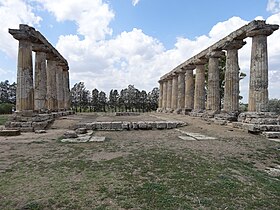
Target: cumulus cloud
x=12, y=13
x=134, y=2
x=273, y=6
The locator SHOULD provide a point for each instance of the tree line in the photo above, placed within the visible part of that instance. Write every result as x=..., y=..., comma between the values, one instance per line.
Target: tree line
x=128, y=99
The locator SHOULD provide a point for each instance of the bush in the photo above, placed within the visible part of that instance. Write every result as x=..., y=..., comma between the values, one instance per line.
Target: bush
x=6, y=108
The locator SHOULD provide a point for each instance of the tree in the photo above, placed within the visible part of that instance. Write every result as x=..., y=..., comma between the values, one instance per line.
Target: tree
x=274, y=105
x=95, y=99
x=8, y=92
x=102, y=101
x=79, y=96
x=113, y=99
x=153, y=98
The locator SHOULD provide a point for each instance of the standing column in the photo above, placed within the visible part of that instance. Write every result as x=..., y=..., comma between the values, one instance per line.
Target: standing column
x=25, y=90
x=40, y=91
x=164, y=99
x=258, y=92
x=169, y=93
x=59, y=87
x=189, y=90
x=213, y=92
x=66, y=87
x=160, y=94
x=181, y=91
x=199, y=91
x=51, y=85
x=231, y=95
x=174, y=96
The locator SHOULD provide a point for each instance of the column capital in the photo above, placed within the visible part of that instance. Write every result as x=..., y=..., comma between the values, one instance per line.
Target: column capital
x=200, y=61
x=235, y=44
x=215, y=54
x=266, y=31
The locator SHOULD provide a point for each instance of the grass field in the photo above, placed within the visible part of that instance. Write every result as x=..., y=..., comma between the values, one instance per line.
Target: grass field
x=3, y=119
x=155, y=178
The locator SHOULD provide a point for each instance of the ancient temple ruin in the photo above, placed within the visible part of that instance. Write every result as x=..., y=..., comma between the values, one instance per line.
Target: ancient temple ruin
x=179, y=91
x=39, y=98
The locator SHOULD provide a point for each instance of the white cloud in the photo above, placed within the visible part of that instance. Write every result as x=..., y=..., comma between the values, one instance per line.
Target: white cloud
x=273, y=6
x=12, y=13
x=91, y=16
x=134, y=2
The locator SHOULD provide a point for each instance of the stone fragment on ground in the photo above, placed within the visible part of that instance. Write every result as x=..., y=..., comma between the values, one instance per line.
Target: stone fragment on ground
x=196, y=136
x=187, y=138
x=70, y=134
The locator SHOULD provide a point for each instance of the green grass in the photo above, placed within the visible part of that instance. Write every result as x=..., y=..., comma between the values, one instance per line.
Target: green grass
x=148, y=179
x=3, y=119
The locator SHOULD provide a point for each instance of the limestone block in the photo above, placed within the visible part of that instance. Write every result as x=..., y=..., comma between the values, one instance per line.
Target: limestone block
x=9, y=132
x=90, y=126
x=161, y=125
x=70, y=134
x=98, y=125
x=15, y=124
x=26, y=129
x=40, y=125
x=126, y=125
x=142, y=125
x=152, y=125
x=40, y=131
x=117, y=126
x=135, y=125
x=271, y=134
x=81, y=130
x=106, y=126
x=171, y=125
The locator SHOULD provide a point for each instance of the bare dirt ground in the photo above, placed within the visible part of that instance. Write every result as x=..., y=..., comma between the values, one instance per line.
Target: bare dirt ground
x=40, y=172
x=229, y=141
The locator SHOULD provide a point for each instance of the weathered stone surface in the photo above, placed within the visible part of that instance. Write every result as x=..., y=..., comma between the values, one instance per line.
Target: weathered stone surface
x=270, y=134
x=40, y=125
x=117, y=126
x=81, y=130
x=161, y=125
x=40, y=131
x=199, y=91
x=70, y=134
x=174, y=97
x=106, y=126
x=9, y=132
x=127, y=114
x=189, y=90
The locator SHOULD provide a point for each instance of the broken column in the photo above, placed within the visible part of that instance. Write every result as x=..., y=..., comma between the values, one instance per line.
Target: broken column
x=189, y=90
x=199, y=90
x=231, y=94
x=174, y=97
x=213, y=92
x=258, y=86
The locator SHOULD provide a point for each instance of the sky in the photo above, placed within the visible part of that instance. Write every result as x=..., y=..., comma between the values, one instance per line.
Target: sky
x=110, y=44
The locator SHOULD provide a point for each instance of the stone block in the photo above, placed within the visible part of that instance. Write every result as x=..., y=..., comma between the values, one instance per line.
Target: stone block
x=106, y=126
x=126, y=125
x=15, y=124
x=26, y=129
x=142, y=125
x=40, y=131
x=9, y=132
x=134, y=125
x=90, y=126
x=98, y=125
x=117, y=126
x=171, y=125
x=81, y=130
x=270, y=134
x=70, y=134
x=152, y=125
x=40, y=125
x=26, y=124
x=161, y=125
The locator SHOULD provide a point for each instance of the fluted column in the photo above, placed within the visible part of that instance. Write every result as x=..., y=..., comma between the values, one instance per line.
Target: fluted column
x=164, y=94
x=160, y=94
x=59, y=87
x=199, y=90
x=66, y=91
x=25, y=90
x=189, y=90
x=40, y=91
x=181, y=90
x=213, y=92
x=231, y=95
x=258, y=88
x=51, y=85
x=174, y=96
x=169, y=93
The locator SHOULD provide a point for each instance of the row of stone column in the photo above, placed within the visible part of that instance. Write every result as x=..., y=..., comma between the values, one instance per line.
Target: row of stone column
x=50, y=90
x=179, y=91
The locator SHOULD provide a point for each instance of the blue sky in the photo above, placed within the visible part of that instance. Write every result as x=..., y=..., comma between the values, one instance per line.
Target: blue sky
x=112, y=43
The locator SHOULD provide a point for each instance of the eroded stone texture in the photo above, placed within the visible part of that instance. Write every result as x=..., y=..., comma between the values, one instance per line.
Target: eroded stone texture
x=258, y=93
x=66, y=91
x=213, y=93
x=59, y=87
x=51, y=85
x=164, y=96
x=189, y=90
x=231, y=95
x=181, y=90
x=25, y=90
x=160, y=95
x=174, y=96
x=169, y=93
x=199, y=91
x=40, y=91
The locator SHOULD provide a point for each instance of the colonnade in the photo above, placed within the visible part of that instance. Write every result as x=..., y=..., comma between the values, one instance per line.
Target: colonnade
x=180, y=90
x=48, y=89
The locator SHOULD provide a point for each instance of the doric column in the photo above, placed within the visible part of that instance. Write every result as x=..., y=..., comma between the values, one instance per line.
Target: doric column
x=66, y=86
x=25, y=90
x=231, y=95
x=189, y=90
x=258, y=92
x=181, y=90
x=213, y=92
x=40, y=89
x=59, y=87
x=51, y=85
x=160, y=94
x=169, y=93
x=174, y=96
x=199, y=90
x=164, y=95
